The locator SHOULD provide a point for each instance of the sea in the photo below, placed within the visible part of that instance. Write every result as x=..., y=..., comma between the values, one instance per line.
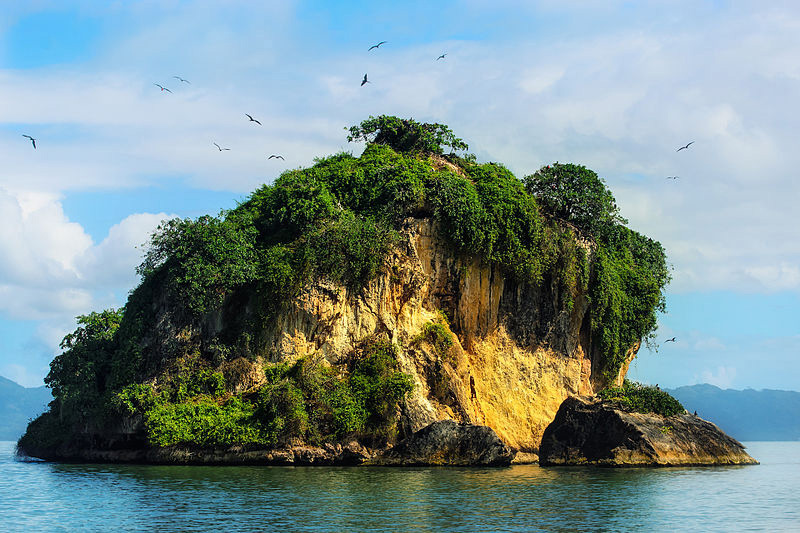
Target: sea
x=41, y=496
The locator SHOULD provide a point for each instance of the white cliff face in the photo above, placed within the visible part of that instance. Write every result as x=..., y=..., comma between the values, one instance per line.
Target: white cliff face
x=515, y=355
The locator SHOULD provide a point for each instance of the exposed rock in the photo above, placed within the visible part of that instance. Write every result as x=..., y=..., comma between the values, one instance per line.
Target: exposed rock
x=589, y=431
x=446, y=443
x=351, y=453
x=525, y=351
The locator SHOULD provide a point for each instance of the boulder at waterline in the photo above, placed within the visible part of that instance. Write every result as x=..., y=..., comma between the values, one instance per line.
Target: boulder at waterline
x=448, y=443
x=590, y=431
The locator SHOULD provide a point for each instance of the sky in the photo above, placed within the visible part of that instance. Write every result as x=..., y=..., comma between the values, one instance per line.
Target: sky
x=617, y=86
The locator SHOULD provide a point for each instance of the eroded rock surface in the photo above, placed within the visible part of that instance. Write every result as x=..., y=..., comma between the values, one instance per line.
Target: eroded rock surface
x=447, y=443
x=589, y=431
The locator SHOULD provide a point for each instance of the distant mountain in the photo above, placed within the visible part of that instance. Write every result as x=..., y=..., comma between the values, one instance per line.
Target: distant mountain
x=19, y=404
x=745, y=414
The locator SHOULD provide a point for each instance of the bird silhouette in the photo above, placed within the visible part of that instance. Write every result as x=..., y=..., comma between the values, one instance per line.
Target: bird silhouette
x=253, y=120
x=162, y=88
x=376, y=45
x=220, y=148
x=276, y=156
x=365, y=80
x=672, y=177
x=669, y=340
x=684, y=147
x=181, y=79
x=440, y=57
x=33, y=141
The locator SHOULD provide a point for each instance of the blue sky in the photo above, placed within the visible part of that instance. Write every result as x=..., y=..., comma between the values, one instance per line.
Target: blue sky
x=614, y=85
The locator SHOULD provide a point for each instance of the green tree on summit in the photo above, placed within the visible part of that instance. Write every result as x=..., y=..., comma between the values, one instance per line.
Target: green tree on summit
x=576, y=194
x=406, y=135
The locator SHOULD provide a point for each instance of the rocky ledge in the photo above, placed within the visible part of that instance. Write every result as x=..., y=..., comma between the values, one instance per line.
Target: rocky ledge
x=588, y=431
x=443, y=443
x=447, y=443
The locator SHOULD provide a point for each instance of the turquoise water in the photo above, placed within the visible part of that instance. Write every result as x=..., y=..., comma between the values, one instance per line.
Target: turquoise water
x=37, y=496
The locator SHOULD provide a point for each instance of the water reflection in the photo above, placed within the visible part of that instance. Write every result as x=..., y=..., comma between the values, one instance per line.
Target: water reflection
x=46, y=496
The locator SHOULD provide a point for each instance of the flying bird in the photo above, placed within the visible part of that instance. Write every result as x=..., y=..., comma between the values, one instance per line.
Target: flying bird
x=181, y=79
x=440, y=57
x=220, y=148
x=162, y=88
x=376, y=45
x=672, y=177
x=684, y=147
x=33, y=141
x=276, y=156
x=669, y=340
x=365, y=80
x=253, y=120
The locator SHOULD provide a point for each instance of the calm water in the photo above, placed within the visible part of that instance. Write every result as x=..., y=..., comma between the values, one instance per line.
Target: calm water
x=70, y=497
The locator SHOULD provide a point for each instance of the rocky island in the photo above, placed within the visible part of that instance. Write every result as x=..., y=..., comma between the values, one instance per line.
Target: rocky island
x=407, y=306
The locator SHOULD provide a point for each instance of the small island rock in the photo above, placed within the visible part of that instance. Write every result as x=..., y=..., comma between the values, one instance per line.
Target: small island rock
x=589, y=431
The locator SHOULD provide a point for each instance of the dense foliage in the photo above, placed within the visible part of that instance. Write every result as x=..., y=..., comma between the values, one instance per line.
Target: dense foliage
x=406, y=135
x=643, y=399
x=630, y=270
x=338, y=220
x=304, y=400
x=577, y=195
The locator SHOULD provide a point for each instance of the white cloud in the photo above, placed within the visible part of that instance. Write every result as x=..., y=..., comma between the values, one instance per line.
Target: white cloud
x=112, y=262
x=51, y=269
x=724, y=377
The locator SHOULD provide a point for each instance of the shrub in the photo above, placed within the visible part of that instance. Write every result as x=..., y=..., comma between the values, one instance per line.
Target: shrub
x=439, y=336
x=642, y=399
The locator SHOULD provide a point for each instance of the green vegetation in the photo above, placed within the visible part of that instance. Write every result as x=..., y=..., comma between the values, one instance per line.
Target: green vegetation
x=406, y=135
x=630, y=270
x=304, y=400
x=558, y=229
x=439, y=336
x=642, y=399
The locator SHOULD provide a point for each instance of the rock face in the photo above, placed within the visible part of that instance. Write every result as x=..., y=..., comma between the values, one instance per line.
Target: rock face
x=523, y=348
x=350, y=453
x=589, y=431
x=447, y=443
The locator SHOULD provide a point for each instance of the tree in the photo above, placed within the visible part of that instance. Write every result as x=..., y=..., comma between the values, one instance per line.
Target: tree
x=575, y=194
x=80, y=374
x=203, y=259
x=406, y=135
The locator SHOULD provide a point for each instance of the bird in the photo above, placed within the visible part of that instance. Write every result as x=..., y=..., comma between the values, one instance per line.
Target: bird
x=253, y=120
x=181, y=79
x=365, y=80
x=376, y=45
x=440, y=57
x=162, y=88
x=33, y=141
x=669, y=340
x=672, y=177
x=684, y=147
x=220, y=148
x=276, y=156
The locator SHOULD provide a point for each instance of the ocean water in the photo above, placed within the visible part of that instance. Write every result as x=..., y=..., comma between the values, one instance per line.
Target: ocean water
x=38, y=496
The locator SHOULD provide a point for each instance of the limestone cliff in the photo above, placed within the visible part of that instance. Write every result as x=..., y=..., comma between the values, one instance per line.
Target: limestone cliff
x=523, y=353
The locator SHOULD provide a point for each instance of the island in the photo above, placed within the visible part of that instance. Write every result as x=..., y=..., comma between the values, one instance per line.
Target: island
x=407, y=306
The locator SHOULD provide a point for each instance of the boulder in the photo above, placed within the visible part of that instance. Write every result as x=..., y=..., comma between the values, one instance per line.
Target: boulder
x=589, y=431
x=448, y=443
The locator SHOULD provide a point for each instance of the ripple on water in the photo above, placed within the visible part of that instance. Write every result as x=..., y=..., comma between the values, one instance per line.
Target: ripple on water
x=39, y=496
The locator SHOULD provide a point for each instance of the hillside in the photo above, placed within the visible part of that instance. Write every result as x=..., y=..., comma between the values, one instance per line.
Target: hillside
x=18, y=405
x=746, y=414
x=360, y=300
